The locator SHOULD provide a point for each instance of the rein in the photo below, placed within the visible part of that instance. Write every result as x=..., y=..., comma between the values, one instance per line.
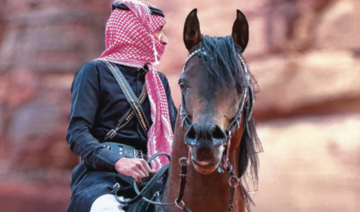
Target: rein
x=141, y=194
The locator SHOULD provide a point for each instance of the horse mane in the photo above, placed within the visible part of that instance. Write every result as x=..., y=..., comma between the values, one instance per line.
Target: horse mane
x=221, y=63
x=250, y=147
x=223, y=68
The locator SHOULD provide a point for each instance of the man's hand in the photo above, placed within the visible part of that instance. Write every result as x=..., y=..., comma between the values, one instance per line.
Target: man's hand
x=134, y=167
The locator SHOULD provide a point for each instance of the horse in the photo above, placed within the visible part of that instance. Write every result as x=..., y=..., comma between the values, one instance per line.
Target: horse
x=215, y=130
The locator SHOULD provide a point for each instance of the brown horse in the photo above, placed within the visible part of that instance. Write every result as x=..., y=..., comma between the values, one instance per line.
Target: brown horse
x=216, y=111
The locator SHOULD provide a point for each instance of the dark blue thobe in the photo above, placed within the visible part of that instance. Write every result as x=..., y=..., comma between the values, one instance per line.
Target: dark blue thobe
x=97, y=105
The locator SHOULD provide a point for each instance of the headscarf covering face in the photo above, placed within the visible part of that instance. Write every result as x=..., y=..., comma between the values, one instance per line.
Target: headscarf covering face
x=129, y=42
x=128, y=33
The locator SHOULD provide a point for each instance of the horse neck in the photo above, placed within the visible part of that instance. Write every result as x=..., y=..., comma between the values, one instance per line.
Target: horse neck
x=202, y=192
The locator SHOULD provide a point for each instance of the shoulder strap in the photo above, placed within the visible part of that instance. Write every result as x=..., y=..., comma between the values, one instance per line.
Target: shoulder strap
x=130, y=96
x=126, y=118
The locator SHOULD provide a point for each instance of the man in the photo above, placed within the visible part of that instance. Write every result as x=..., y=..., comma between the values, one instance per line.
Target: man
x=134, y=42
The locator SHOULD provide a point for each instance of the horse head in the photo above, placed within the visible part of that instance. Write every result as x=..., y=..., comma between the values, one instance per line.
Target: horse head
x=216, y=95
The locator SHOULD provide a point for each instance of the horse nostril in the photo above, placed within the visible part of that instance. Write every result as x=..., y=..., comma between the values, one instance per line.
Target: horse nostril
x=206, y=134
x=217, y=133
x=190, y=137
x=191, y=133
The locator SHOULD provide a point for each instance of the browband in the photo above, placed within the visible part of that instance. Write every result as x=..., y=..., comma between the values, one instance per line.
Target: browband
x=122, y=6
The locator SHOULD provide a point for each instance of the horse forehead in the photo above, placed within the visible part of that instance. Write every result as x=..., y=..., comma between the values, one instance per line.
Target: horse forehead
x=197, y=72
x=194, y=66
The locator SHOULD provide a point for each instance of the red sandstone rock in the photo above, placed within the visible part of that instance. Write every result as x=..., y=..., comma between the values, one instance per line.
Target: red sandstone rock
x=309, y=164
x=339, y=26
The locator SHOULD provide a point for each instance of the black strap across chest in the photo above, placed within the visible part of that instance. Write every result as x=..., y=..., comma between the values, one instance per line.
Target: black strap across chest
x=134, y=101
x=126, y=118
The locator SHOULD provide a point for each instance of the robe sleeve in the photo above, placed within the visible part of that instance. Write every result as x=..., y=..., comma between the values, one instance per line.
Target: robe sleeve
x=85, y=101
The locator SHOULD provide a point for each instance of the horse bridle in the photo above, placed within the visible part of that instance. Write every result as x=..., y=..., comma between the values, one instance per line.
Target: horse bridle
x=234, y=181
x=235, y=124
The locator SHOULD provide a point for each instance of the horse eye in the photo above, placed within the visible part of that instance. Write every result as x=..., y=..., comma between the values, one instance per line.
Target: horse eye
x=182, y=86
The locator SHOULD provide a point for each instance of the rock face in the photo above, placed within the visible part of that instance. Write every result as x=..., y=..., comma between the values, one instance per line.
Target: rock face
x=304, y=54
x=310, y=164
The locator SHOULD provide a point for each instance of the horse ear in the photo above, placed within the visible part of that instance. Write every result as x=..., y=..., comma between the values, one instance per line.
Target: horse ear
x=192, y=34
x=240, y=31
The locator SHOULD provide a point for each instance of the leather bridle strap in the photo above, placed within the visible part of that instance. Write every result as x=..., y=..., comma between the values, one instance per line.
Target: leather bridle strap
x=185, y=120
x=183, y=172
x=234, y=125
x=249, y=109
x=233, y=182
x=237, y=120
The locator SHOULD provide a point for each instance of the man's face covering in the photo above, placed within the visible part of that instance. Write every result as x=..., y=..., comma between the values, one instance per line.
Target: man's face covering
x=128, y=33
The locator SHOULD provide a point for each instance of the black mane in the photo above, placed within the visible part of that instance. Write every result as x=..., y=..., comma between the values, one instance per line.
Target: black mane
x=221, y=62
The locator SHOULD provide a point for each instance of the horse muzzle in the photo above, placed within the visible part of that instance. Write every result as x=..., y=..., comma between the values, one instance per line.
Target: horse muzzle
x=206, y=146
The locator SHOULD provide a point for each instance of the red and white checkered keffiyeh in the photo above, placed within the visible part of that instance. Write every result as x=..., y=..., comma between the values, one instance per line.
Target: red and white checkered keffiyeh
x=129, y=42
